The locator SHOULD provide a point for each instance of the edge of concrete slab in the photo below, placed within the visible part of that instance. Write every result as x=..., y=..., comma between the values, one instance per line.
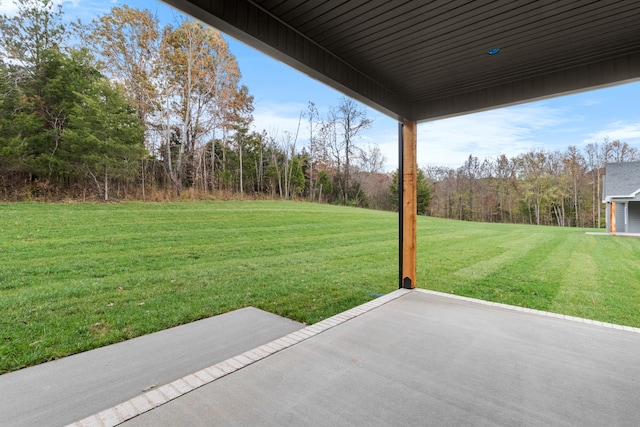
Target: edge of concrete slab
x=140, y=404
x=533, y=311
x=604, y=233
x=154, y=398
x=70, y=388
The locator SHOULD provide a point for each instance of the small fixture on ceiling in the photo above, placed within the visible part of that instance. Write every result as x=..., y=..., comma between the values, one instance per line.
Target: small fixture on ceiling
x=493, y=51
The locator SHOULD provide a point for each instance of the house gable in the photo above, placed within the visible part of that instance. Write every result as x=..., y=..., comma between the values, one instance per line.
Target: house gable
x=622, y=180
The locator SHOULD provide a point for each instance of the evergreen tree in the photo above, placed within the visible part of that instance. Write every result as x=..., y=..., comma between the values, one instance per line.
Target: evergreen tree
x=104, y=134
x=26, y=38
x=61, y=120
x=423, y=192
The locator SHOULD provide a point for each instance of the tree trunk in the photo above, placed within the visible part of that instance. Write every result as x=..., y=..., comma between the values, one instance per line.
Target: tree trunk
x=575, y=199
x=598, y=199
x=241, y=181
x=213, y=163
x=144, y=199
x=106, y=185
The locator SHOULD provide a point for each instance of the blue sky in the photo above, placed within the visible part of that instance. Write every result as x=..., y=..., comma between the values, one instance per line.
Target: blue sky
x=282, y=93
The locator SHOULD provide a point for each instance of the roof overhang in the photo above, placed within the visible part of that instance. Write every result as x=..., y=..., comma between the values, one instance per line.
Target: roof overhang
x=618, y=198
x=626, y=197
x=417, y=60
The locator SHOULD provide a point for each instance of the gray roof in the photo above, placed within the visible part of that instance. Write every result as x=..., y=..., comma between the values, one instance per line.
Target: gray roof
x=423, y=60
x=622, y=179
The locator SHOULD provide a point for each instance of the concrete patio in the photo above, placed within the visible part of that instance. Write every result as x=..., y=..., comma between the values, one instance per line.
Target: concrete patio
x=412, y=357
x=68, y=389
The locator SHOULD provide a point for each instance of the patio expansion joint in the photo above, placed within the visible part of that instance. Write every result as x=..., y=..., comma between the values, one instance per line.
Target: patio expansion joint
x=534, y=311
x=152, y=399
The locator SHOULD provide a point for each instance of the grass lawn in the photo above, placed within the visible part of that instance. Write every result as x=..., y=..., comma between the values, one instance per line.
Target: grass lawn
x=78, y=276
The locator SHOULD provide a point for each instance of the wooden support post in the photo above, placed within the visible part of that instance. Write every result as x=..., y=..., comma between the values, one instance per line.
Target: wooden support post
x=408, y=203
x=612, y=218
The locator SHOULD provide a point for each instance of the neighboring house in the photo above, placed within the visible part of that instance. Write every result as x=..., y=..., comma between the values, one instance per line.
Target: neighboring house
x=622, y=196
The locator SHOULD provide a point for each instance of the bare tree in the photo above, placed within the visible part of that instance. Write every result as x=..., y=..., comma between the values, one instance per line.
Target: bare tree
x=127, y=42
x=352, y=120
x=204, y=78
x=313, y=123
x=618, y=152
x=594, y=160
x=575, y=167
x=371, y=159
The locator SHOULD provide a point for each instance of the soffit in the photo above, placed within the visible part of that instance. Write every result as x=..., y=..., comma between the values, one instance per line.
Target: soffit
x=422, y=60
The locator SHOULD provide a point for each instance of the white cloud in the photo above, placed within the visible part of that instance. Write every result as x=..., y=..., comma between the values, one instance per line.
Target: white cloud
x=448, y=142
x=8, y=7
x=510, y=131
x=624, y=131
x=279, y=118
x=590, y=102
x=72, y=9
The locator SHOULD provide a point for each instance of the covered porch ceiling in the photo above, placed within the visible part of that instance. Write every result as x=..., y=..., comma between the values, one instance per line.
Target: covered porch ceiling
x=425, y=60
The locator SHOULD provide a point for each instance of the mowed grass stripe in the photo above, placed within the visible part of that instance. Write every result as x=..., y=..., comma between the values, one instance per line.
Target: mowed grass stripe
x=619, y=280
x=504, y=254
x=78, y=276
x=523, y=281
x=188, y=256
x=555, y=274
x=74, y=277
x=582, y=291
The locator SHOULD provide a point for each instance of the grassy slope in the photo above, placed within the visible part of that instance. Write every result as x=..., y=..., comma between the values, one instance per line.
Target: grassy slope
x=74, y=277
x=561, y=270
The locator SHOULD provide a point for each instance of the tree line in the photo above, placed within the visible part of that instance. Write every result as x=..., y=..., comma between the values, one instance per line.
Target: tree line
x=543, y=187
x=124, y=108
